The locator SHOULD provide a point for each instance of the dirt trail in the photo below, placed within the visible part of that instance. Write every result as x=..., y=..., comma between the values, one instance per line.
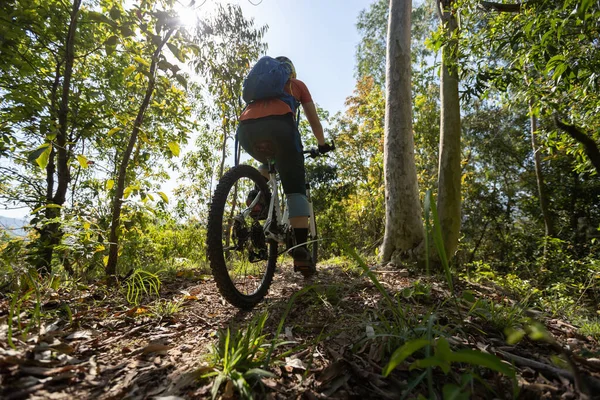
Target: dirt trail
x=108, y=352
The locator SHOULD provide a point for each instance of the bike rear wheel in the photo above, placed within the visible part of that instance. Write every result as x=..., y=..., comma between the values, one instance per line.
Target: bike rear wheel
x=242, y=260
x=313, y=244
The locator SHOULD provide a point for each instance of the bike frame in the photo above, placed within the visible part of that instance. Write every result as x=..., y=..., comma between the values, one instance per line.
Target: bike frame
x=274, y=229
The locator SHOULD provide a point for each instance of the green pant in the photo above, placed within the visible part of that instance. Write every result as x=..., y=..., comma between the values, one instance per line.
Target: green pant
x=281, y=132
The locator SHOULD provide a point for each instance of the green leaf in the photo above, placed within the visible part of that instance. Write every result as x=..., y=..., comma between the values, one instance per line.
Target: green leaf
x=537, y=331
x=175, y=69
x=115, y=13
x=99, y=17
x=404, y=351
x=163, y=196
x=176, y=52
x=156, y=40
x=141, y=61
x=453, y=392
x=514, y=336
x=113, y=131
x=182, y=81
x=41, y=155
x=258, y=373
x=83, y=161
x=174, y=147
x=468, y=296
x=127, y=71
x=46, y=206
x=110, y=184
x=429, y=362
x=111, y=41
x=164, y=65
x=442, y=349
x=481, y=359
x=554, y=61
x=109, y=49
x=584, y=5
x=127, y=31
x=559, y=70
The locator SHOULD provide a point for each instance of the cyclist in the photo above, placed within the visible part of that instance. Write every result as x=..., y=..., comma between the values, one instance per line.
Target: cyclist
x=272, y=120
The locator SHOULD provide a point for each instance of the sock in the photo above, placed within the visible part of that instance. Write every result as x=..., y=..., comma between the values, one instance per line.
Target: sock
x=301, y=235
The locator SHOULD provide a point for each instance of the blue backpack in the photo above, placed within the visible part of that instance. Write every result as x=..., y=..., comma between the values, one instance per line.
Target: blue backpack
x=267, y=79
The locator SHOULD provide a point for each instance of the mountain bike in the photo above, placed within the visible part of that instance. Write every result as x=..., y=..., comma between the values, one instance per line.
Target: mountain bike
x=244, y=243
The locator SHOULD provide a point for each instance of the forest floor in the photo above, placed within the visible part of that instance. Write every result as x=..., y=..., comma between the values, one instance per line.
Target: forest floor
x=335, y=338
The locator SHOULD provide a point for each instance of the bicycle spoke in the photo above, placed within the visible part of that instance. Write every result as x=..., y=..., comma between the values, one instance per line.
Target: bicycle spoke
x=241, y=259
x=242, y=239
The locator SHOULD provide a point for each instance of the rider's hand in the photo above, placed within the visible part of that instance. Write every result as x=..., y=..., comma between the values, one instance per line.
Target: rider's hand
x=325, y=148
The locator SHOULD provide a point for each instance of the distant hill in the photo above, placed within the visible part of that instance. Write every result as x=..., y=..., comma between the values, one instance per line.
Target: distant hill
x=13, y=226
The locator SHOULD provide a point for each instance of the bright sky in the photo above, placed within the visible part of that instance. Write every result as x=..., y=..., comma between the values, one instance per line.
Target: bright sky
x=319, y=36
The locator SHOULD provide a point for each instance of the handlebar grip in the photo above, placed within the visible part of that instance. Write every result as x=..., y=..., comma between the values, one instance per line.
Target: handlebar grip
x=314, y=152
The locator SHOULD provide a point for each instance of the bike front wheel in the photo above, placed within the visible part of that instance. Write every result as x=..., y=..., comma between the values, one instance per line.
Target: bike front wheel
x=241, y=258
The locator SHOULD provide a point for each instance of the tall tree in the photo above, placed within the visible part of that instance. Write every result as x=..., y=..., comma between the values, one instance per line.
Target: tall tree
x=38, y=40
x=403, y=227
x=449, y=169
x=541, y=184
x=231, y=44
x=160, y=29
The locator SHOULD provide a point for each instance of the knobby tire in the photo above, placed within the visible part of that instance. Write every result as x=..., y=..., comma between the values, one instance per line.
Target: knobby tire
x=215, y=251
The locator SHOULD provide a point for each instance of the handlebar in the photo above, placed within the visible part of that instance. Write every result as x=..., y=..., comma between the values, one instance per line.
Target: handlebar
x=314, y=152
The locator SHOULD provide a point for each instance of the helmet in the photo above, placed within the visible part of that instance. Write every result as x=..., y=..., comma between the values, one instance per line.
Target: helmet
x=288, y=62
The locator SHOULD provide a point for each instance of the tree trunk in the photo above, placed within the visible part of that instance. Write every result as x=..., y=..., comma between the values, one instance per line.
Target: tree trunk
x=449, y=170
x=537, y=159
x=50, y=235
x=404, y=234
x=223, y=152
x=113, y=253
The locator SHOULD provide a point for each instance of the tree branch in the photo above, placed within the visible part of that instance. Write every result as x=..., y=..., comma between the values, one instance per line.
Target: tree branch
x=590, y=146
x=501, y=7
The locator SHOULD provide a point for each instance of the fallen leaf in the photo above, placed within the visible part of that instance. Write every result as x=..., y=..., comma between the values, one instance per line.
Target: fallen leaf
x=333, y=371
x=85, y=334
x=288, y=333
x=228, y=393
x=294, y=363
x=156, y=348
x=136, y=311
x=63, y=348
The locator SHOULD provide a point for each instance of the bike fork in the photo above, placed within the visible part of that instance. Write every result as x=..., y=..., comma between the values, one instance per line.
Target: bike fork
x=271, y=228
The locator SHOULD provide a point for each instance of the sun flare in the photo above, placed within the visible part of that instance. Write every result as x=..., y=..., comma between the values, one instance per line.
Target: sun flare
x=190, y=12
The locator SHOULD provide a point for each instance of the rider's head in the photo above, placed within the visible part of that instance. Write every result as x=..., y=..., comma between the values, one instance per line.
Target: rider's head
x=288, y=62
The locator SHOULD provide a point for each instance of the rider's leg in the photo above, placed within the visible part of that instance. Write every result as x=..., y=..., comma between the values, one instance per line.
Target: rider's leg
x=289, y=161
x=292, y=173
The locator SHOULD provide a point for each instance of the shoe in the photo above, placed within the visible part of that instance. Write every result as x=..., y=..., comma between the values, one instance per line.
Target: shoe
x=303, y=262
x=260, y=210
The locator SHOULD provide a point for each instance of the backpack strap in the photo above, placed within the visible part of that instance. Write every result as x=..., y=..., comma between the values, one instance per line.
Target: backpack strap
x=296, y=102
x=298, y=116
